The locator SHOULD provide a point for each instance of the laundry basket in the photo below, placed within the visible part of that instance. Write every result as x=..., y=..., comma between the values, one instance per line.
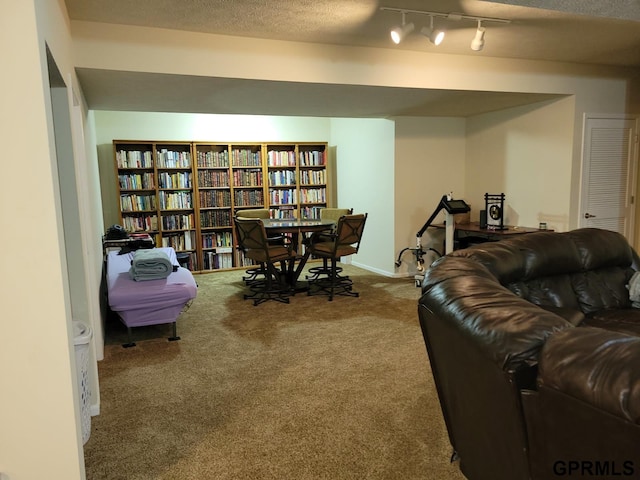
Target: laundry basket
x=82, y=336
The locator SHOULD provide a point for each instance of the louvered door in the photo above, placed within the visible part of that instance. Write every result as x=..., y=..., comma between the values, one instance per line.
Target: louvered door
x=608, y=180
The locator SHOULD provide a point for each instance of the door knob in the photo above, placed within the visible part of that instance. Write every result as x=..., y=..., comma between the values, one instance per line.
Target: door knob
x=588, y=215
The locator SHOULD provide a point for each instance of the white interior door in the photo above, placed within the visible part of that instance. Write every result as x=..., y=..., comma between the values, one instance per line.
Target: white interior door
x=609, y=174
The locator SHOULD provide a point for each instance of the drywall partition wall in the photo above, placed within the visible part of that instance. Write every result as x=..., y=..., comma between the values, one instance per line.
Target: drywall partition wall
x=525, y=153
x=366, y=170
x=39, y=416
x=191, y=127
x=429, y=163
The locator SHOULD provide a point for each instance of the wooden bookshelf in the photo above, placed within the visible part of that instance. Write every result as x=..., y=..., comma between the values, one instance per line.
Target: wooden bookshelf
x=186, y=194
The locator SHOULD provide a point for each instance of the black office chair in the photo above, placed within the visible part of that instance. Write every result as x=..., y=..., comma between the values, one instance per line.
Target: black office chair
x=327, y=214
x=252, y=239
x=345, y=241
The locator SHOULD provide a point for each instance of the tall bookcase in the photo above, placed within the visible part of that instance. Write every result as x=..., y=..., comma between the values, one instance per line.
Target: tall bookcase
x=186, y=194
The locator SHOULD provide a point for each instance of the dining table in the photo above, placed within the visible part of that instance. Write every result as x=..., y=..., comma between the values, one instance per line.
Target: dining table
x=298, y=231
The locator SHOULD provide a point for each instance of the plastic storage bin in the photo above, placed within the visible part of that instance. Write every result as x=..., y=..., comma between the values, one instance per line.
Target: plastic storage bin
x=82, y=336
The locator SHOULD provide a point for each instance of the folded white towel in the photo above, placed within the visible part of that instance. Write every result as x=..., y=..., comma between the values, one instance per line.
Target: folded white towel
x=634, y=290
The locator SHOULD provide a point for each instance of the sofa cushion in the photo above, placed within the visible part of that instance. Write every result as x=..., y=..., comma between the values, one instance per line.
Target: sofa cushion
x=553, y=291
x=602, y=289
x=619, y=320
x=601, y=248
x=596, y=366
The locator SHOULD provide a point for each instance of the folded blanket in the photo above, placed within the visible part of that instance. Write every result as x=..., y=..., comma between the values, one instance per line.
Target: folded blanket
x=150, y=264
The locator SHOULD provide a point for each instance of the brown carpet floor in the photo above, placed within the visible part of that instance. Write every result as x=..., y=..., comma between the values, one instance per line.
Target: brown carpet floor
x=310, y=390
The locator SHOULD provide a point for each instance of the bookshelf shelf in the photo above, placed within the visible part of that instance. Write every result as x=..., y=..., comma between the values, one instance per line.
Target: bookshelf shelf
x=186, y=194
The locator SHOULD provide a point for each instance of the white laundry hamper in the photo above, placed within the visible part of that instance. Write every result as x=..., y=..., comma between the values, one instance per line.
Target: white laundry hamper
x=82, y=336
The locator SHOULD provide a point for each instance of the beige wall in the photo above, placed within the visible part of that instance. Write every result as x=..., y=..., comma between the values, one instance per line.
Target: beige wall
x=40, y=407
x=366, y=171
x=527, y=154
x=430, y=162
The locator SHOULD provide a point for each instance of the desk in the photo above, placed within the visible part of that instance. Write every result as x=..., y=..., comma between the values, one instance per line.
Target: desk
x=297, y=228
x=465, y=233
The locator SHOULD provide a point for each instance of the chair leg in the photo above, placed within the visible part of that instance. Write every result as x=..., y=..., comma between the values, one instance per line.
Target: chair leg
x=272, y=288
x=334, y=284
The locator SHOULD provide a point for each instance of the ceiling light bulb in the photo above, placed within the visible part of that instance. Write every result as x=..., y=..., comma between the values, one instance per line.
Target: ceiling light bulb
x=434, y=36
x=477, y=43
x=398, y=33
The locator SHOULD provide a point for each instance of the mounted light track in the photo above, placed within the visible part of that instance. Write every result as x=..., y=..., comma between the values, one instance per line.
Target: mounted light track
x=436, y=36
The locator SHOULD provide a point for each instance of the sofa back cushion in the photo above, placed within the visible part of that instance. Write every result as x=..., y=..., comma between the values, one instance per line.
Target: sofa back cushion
x=585, y=269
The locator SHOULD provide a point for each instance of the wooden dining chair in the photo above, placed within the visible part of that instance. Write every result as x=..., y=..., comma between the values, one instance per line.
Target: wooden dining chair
x=327, y=214
x=257, y=273
x=344, y=242
x=253, y=240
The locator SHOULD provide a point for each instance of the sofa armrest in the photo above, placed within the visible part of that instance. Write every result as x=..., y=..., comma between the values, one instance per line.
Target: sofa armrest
x=597, y=366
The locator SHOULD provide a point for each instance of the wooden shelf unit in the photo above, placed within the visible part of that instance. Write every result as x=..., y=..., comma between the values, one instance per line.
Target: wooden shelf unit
x=186, y=194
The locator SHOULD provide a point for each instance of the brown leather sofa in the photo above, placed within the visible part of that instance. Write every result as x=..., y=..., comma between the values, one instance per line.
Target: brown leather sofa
x=535, y=351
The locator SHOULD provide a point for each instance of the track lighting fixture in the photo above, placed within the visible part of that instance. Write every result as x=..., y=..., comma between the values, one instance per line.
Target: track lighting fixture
x=436, y=36
x=401, y=31
x=477, y=43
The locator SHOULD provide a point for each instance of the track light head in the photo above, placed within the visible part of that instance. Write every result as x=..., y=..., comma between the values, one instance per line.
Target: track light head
x=398, y=33
x=434, y=36
x=401, y=31
x=477, y=43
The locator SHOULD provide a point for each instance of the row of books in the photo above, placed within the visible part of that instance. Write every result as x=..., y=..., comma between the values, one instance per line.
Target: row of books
x=248, y=198
x=246, y=158
x=282, y=177
x=213, y=159
x=166, y=158
x=140, y=223
x=214, y=198
x=280, y=158
x=283, y=196
x=132, y=202
x=175, y=200
x=282, y=213
x=215, y=218
x=215, y=261
x=174, y=180
x=134, y=159
x=190, y=260
x=312, y=158
x=178, y=222
x=310, y=213
x=247, y=178
x=213, y=178
x=313, y=195
x=137, y=181
x=313, y=177
x=180, y=241
x=217, y=239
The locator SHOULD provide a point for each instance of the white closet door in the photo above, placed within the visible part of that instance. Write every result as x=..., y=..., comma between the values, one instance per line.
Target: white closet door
x=608, y=178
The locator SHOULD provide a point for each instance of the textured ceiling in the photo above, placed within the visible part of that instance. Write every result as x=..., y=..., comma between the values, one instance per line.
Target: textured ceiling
x=578, y=31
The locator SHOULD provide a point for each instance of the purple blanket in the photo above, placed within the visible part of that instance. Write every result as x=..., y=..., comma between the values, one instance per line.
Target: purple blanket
x=151, y=302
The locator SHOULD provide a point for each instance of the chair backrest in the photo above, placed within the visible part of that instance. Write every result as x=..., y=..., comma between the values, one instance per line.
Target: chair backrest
x=253, y=213
x=251, y=234
x=334, y=213
x=349, y=230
